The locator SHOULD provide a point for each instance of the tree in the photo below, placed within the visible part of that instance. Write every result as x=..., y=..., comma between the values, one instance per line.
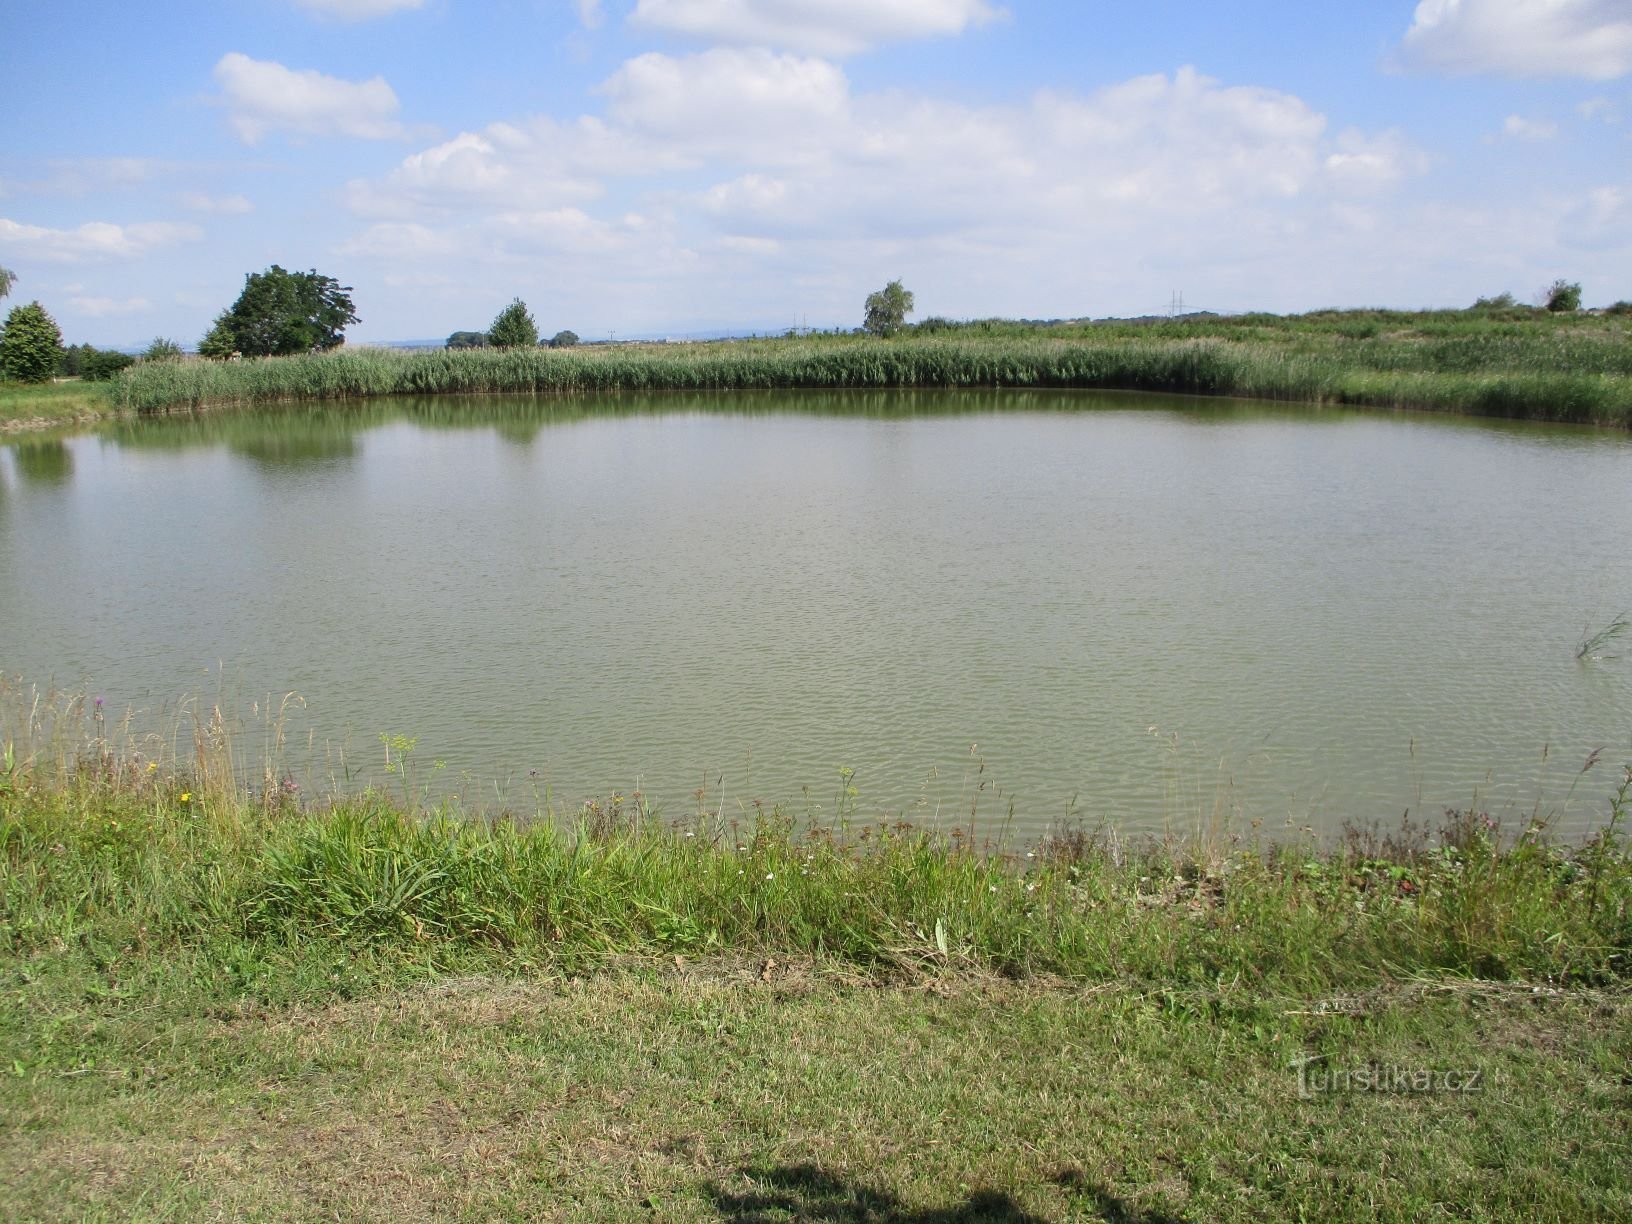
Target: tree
x=887, y=309
x=30, y=344
x=162, y=349
x=467, y=339
x=564, y=339
x=1563, y=296
x=219, y=343
x=513, y=328
x=280, y=313
x=8, y=278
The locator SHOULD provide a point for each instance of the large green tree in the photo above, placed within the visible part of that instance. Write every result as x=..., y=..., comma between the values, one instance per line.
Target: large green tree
x=280, y=313
x=887, y=309
x=30, y=344
x=513, y=328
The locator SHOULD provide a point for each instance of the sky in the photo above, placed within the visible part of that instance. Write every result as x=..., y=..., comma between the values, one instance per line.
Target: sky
x=674, y=167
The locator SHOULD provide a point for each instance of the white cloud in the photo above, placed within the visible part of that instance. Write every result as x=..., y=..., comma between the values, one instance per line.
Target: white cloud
x=102, y=307
x=723, y=100
x=589, y=13
x=397, y=240
x=264, y=96
x=357, y=10
x=1600, y=109
x=1601, y=222
x=825, y=27
x=1523, y=38
x=793, y=189
x=1530, y=131
x=215, y=206
x=95, y=240
x=1368, y=163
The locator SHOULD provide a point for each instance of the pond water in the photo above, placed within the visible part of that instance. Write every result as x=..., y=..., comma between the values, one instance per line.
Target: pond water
x=1159, y=613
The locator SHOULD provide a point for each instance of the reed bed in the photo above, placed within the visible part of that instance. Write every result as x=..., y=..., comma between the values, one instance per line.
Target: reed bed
x=1533, y=369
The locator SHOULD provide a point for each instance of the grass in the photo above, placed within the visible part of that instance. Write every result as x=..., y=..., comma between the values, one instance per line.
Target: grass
x=1520, y=364
x=45, y=405
x=220, y=1001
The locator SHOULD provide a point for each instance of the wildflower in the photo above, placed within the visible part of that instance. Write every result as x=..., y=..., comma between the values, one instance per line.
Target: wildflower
x=186, y=796
x=993, y=888
x=151, y=766
x=770, y=875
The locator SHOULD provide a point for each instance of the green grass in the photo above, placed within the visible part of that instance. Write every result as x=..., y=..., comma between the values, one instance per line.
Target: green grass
x=218, y=1002
x=727, y=1093
x=1513, y=364
x=42, y=405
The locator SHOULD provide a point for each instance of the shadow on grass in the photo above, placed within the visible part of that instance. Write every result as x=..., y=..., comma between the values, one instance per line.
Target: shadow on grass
x=804, y=1192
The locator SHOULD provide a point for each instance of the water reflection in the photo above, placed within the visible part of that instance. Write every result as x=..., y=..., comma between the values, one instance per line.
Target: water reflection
x=297, y=434
x=44, y=462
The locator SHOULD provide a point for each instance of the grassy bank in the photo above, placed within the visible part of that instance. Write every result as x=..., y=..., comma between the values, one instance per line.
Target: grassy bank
x=224, y=1003
x=1533, y=366
x=28, y=406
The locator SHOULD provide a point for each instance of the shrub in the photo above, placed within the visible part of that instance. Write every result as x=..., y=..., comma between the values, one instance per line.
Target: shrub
x=564, y=339
x=162, y=350
x=1563, y=296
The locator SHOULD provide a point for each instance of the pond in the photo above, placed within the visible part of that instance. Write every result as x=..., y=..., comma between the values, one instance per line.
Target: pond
x=1022, y=607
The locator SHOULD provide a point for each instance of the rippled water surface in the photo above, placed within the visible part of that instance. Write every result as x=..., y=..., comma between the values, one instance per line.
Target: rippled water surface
x=1155, y=612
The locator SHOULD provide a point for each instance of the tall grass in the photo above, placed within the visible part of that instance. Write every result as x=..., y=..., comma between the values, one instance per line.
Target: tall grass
x=1477, y=367
x=108, y=852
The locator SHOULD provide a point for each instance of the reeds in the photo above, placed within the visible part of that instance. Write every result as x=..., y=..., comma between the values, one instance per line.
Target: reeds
x=1474, y=366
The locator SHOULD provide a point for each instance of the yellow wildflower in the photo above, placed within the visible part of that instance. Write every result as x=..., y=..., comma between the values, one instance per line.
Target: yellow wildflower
x=186, y=796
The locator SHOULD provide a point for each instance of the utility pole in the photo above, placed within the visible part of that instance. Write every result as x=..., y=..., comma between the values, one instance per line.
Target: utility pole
x=1175, y=305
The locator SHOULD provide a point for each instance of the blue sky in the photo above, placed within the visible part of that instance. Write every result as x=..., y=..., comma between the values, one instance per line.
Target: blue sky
x=676, y=166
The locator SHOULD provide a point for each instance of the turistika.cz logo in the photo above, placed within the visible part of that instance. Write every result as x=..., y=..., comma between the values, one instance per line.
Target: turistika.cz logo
x=1317, y=1078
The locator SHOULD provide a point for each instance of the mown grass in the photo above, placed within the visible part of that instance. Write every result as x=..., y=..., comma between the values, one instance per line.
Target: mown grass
x=1535, y=366
x=227, y=1002
x=686, y=1094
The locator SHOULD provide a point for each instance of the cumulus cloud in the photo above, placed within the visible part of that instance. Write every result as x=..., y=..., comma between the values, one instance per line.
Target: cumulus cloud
x=743, y=101
x=1523, y=38
x=791, y=184
x=264, y=96
x=102, y=307
x=95, y=240
x=824, y=27
x=1368, y=163
x=357, y=10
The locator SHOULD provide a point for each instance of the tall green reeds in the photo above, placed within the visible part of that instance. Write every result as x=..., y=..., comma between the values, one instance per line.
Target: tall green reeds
x=1537, y=373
